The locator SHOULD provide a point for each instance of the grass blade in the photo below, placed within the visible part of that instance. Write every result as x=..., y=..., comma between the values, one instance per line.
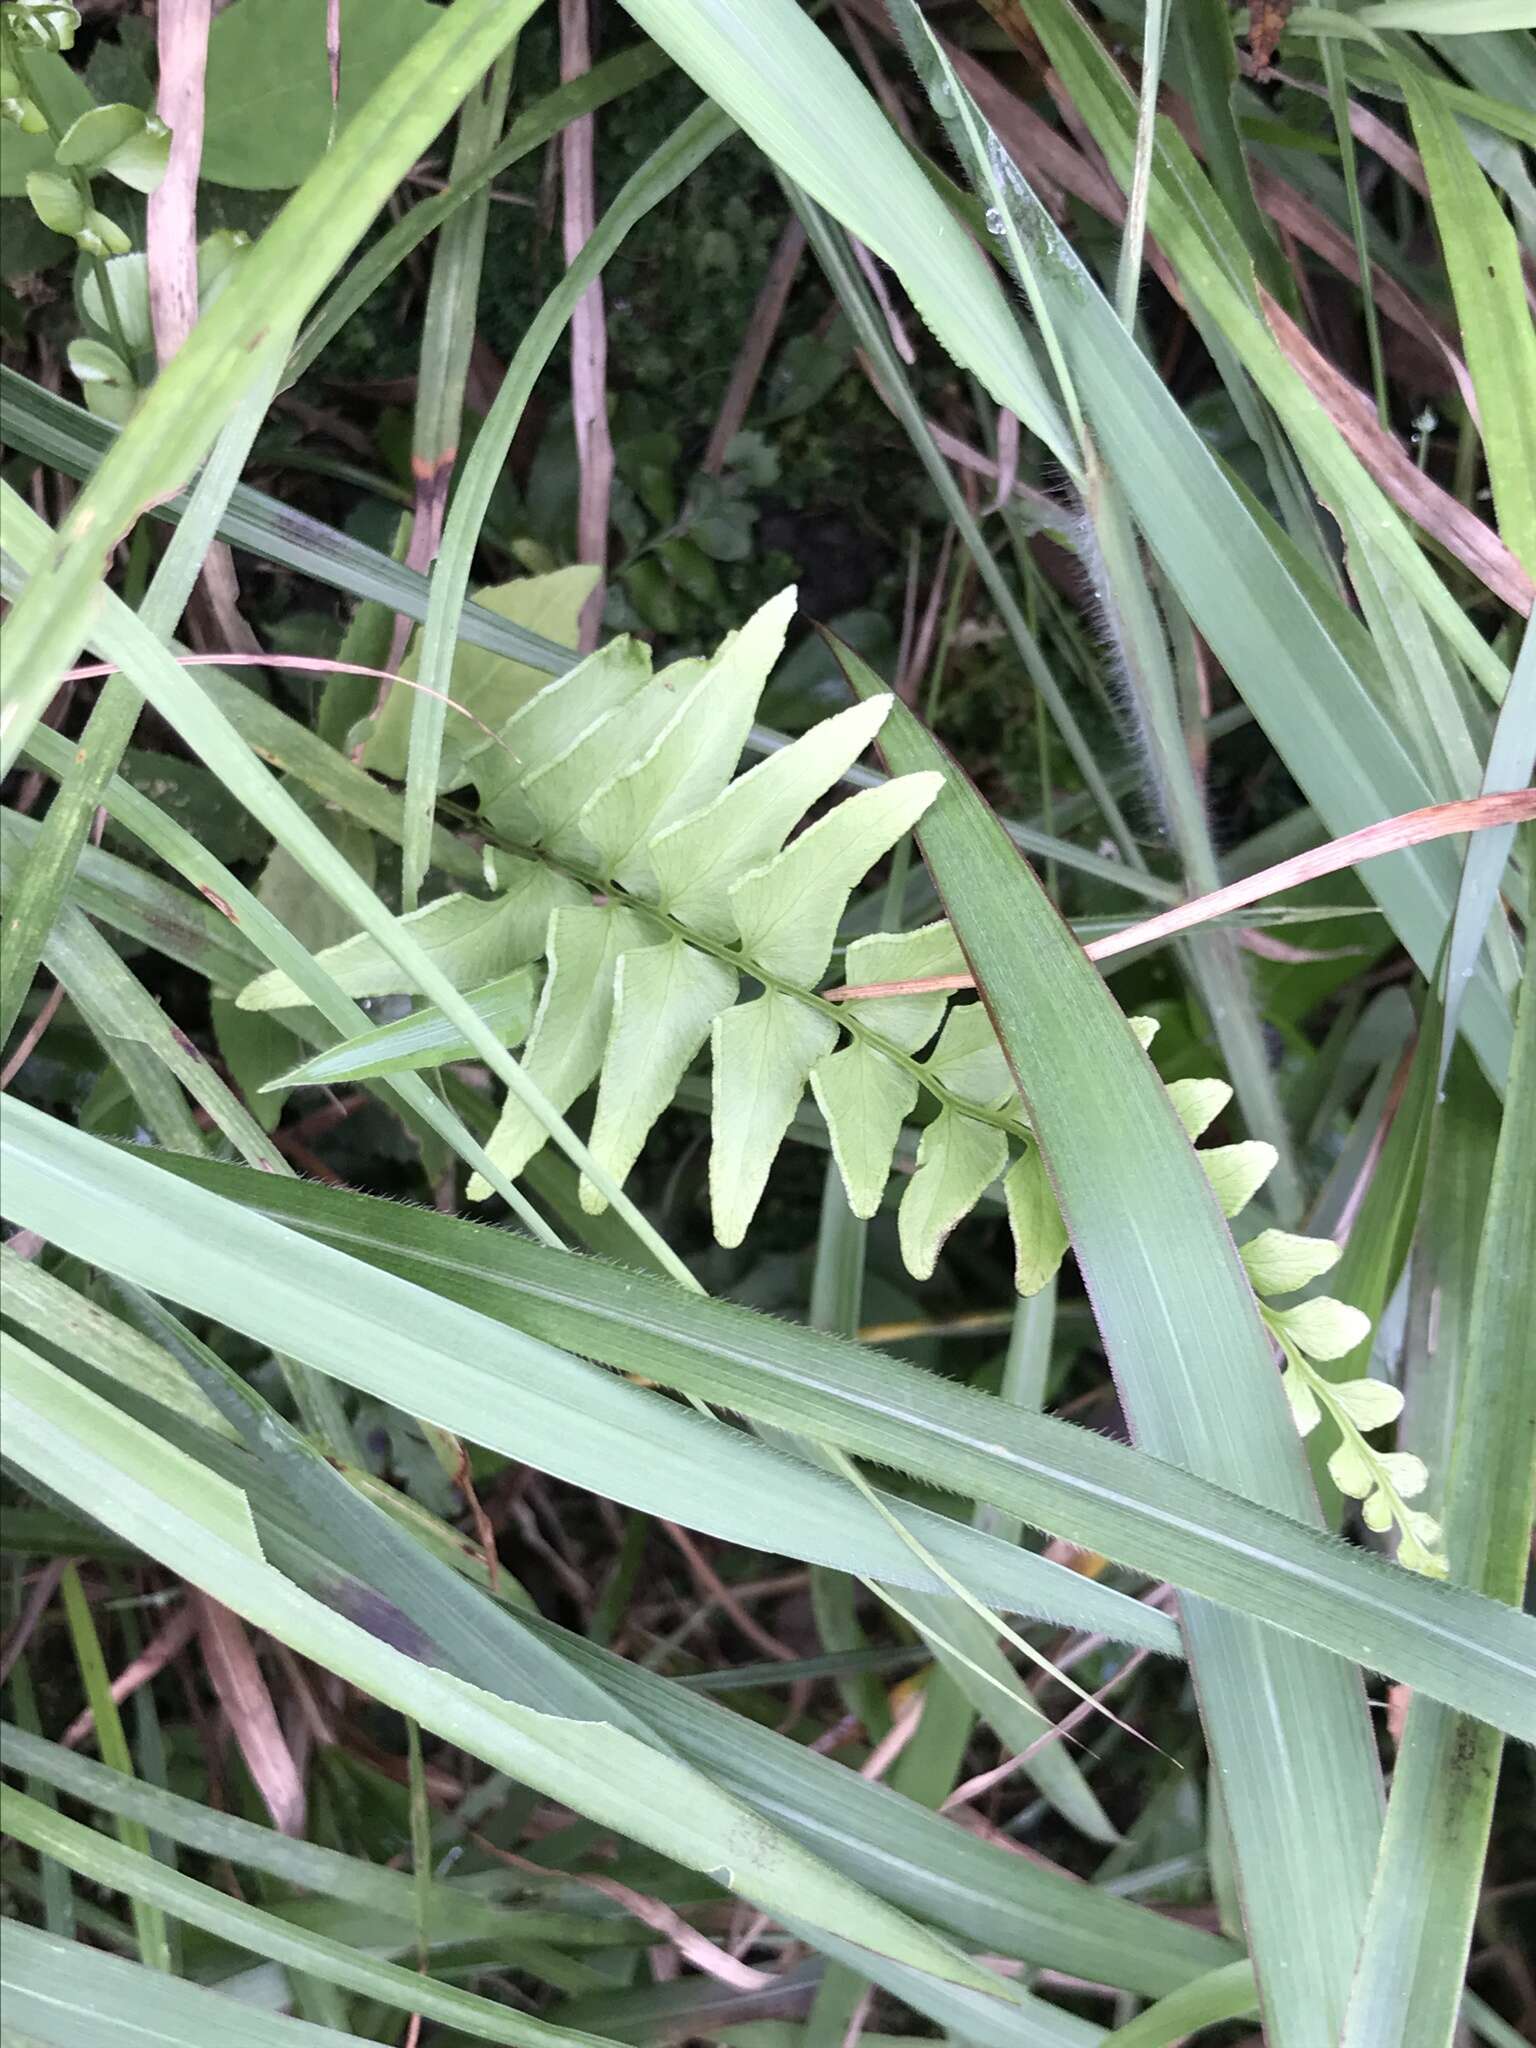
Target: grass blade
x=242, y=339
x=151, y=1886
x=424, y=1039
x=964, y=1883
x=532, y=128
x=1483, y=259
x=1431, y=1872
x=703, y=131
x=148, y=1919
x=61, y=1994
x=114, y=716
x=140, y=1487
x=1134, y=235
x=1155, y=1517
x=448, y=335
x=774, y=71
x=1180, y=1326
x=1226, y=1994
x=633, y=1446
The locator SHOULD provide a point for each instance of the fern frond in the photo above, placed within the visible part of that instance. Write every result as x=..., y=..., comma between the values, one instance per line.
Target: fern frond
x=651, y=881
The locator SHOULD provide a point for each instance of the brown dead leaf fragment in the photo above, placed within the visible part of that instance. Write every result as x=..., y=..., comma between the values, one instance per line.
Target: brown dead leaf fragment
x=1371, y=842
x=241, y=1689
x=1015, y=24
x=1266, y=25
x=1459, y=531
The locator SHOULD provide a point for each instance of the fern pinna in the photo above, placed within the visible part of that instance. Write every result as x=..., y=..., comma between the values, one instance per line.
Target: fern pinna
x=647, y=897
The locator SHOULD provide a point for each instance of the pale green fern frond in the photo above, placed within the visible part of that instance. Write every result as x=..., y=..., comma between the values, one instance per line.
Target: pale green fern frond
x=653, y=883
x=672, y=902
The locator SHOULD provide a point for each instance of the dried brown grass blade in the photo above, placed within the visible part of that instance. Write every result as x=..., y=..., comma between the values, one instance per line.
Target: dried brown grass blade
x=242, y=1692
x=161, y=1649
x=44, y=1586
x=1475, y=545
x=181, y=35
x=654, y=1913
x=333, y=53
x=767, y=312
x=1413, y=828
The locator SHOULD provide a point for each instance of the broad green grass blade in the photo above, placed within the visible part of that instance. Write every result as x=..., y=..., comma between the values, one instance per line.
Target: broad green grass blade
x=1182, y=1332
x=1155, y=1517
x=456, y=1913
x=233, y=346
x=1434, y=1848
x=70, y=1438
x=1288, y=668
x=97, y=983
x=1017, y=1908
x=836, y=1304
x=1202, y=39
x=1464, y=1140
x=1511, y=764
x=61, y=1994
x=1482, y=258
x=676, y=159
x=1136, y=633
x=38, y=1301
x=897, y=1847
x=122, y=1012
x=971, y=1667
x=862, y=1829
x=1381, y=1230
x=963, y=2014
x=299, y=1497
x=510, y=1391
x=152, y=1885
x=1022, y=2019
x=1446, y=17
